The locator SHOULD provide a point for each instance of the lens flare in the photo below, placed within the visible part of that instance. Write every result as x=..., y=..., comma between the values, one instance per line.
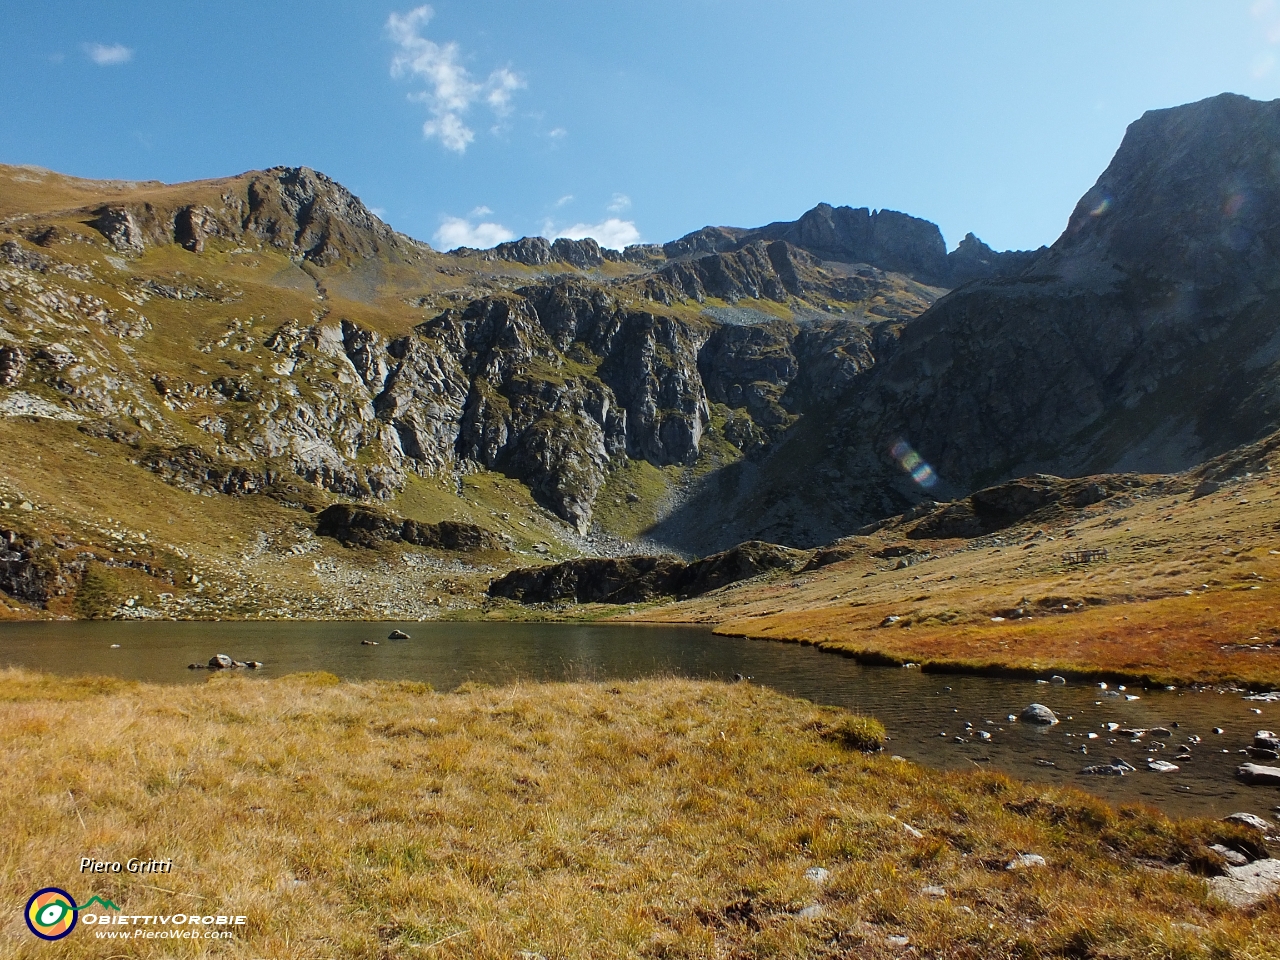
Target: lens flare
x=914, y=465
x=1101, y=208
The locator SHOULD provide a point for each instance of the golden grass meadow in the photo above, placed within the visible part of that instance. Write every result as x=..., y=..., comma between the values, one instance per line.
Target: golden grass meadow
x=657, y=818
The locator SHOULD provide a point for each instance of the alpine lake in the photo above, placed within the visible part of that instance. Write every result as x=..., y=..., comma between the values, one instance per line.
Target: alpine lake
x=939, y=720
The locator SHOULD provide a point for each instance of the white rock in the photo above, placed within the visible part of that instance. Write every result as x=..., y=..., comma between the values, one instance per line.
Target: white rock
x=1247, y=885
x=818, y=875
x=1247, y=820
x=1025, y=860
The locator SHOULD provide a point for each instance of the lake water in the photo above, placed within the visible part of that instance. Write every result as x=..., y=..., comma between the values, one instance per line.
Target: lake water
x=917, y=708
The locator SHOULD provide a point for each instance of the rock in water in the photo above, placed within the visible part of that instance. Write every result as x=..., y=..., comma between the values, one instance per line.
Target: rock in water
x=397, y=635
x=1038, y=713
x=1104, y=770
x=1257, y=775
x=220, y=661
x=368, y=643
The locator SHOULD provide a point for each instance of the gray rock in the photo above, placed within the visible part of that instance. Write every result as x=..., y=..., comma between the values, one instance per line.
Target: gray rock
x=1106, y=770
x=1233, y=857
x=220, y=661
x=397, y=635
x=1259, y=776
x=1247, y=885
x=1161, y=766
x=1248, y=820
x=811, y=912
x=1266, y=740
x=934, y=892
x=368, y=643
x=1038, y=713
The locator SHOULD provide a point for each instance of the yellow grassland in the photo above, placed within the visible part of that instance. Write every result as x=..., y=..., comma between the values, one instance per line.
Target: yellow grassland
x=659, y=818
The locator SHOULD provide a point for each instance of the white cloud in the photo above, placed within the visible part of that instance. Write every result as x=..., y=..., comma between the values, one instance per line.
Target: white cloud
x=557, y=133
x=567, y=198
x=379, y=212
x=450, y=90
x=457, y=232
x=612, y=233
x=108, y=56
x=619, y=203
x=480, y=211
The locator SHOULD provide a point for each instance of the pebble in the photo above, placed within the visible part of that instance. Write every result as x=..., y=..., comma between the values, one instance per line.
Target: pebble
x=811, y=912
x=896, y=941
x=933, y=891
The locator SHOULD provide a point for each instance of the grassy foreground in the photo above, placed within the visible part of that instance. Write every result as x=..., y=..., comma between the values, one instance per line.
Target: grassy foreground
x=661, y=818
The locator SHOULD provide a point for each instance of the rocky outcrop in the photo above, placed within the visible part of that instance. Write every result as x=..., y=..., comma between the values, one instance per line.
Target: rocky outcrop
x=34, y=572
x=295, y=209
x=1040, y=497
x=584, y=254
x=642, y=578
x=974, y=260
x=13, y=363
x=885, y=239
x=591, y=580
x=360, y=526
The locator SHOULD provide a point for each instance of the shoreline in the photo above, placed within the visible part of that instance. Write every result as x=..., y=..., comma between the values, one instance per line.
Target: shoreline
x=872, y=657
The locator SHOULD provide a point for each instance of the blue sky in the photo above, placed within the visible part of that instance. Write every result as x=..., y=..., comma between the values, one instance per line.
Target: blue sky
x=476, y=120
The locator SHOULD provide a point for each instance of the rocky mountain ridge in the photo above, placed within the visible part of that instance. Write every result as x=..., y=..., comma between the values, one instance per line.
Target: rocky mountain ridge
x=1143, y=339
x=789, y=383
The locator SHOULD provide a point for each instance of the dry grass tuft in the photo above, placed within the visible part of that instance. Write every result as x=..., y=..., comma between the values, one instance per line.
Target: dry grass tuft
x=660, y=818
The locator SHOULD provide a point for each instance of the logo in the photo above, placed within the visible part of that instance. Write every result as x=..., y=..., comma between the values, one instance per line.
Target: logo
x=52, y=912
